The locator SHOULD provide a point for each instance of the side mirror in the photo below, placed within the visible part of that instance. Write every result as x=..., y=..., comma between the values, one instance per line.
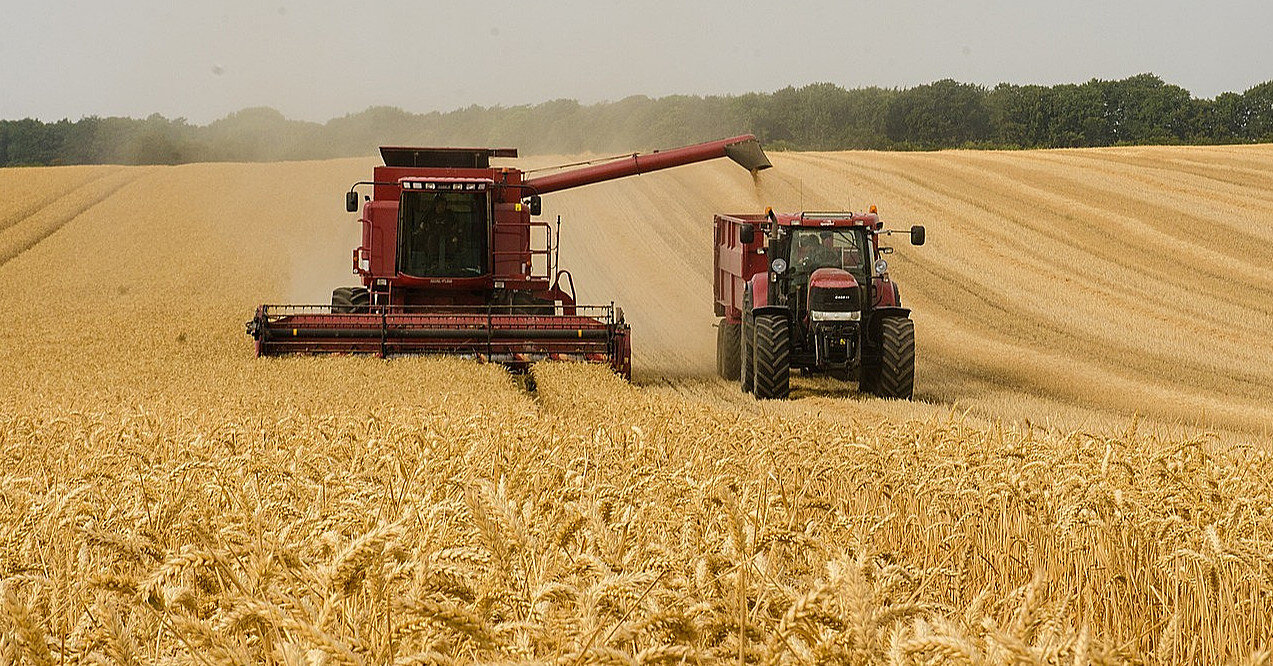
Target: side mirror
x=351, y=202
x=536, y=204
x=747, y=234
x=917, y=235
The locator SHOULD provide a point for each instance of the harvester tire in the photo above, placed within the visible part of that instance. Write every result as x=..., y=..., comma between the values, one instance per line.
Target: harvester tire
x=728, y=352
x=773, y=357
x=897, y=355
x=347, y=300
x=747, y=353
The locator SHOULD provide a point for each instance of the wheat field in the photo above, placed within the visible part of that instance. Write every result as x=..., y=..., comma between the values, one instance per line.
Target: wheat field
x=1083, y=477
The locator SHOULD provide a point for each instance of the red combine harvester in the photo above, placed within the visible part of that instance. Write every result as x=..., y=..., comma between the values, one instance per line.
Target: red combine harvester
x=452, y=262
x=810, y=291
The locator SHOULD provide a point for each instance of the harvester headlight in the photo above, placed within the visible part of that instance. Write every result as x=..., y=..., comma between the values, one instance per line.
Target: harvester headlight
x=779, y=265
x=881, y=266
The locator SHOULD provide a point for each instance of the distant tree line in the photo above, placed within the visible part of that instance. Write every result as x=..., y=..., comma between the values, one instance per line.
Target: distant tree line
x=946, y=114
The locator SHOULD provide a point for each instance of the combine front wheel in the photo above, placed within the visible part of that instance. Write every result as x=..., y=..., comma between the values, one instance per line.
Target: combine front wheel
x=350, y=299
x=773, y=357
x=896, y=374
x=728, y=358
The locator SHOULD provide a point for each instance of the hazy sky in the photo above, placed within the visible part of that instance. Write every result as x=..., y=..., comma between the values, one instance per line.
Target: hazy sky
x=317, y=60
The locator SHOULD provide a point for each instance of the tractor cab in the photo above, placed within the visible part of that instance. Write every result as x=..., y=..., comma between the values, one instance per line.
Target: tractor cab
x=807, y=250
x=827, y=271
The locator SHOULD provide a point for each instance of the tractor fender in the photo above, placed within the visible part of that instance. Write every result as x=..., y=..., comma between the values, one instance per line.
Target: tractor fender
x=758, y=287
x=886, y=293
x=756, y=301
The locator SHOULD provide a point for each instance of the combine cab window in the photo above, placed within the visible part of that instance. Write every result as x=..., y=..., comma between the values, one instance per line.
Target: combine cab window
x=812, y=249
x=443, y=234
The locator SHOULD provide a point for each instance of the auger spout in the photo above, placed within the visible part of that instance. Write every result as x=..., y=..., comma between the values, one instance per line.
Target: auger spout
x=745, y=150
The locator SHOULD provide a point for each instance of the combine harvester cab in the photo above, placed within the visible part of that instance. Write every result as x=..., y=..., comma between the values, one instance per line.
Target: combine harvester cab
x=453, y=261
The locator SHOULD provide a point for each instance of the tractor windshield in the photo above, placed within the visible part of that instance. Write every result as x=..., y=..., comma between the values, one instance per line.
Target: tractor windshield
x=443, y=234
x=812, y=249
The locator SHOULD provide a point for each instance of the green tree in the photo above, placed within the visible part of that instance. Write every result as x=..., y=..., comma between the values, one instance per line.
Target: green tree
x=943, y=114
x=1257, y=113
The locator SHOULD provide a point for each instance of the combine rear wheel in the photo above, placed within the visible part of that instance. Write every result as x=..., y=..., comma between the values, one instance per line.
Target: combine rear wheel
x=773, y=357
x=347, y=300
x=896, y=374
x=747, y=353
x=728, y=358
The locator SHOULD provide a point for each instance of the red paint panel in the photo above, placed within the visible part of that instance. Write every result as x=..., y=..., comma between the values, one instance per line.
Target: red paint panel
x=832, y=278
x=886, y=293
x=759, y=290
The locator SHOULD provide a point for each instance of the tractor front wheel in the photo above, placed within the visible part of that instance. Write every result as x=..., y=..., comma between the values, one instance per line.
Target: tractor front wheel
x=747, y=353
x=896, y=373
x=869, y=379
x=773, y=357
x=728, y=353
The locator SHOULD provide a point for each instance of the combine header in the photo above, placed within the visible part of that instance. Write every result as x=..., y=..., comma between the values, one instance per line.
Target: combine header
x=453, y=261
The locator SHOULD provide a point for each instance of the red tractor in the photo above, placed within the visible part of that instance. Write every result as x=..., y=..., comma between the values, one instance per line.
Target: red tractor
x=452, y=261
x=810, y=291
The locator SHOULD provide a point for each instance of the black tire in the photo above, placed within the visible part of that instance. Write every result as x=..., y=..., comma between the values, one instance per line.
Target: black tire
x=897, y=356
x=728, y=354
x=746, y=355
x=350, y=299
x=361, y=299
x=869, y=379
x=526, y=303
x=773, y=357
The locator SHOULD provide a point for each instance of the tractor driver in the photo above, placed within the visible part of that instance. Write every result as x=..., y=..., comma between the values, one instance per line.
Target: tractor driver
x=813, y=253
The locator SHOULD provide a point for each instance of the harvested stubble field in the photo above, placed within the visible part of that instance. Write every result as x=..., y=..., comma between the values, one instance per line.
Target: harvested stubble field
x=1083, y=478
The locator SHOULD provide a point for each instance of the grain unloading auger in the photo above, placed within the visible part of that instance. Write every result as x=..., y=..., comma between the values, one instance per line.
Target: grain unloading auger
x=453, y=261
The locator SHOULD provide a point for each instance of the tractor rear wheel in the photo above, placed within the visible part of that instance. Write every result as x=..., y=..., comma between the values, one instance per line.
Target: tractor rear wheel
x=347, y=300
x=747, y=353
x=728, y=360
x=773, y=357
x=896, y=377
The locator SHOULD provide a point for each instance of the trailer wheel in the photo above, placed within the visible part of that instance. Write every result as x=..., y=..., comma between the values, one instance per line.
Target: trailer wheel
x=347, y=300
x=897, y=355
x=728, y=357
x=773, y=357
x=747, y=353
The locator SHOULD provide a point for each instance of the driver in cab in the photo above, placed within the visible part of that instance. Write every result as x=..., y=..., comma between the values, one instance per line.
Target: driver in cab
x=436, y=234
x=813, y=253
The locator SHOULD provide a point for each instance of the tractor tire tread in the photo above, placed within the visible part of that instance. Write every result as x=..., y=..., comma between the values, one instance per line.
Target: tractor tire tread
x=773, y=357
x=897, y=368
